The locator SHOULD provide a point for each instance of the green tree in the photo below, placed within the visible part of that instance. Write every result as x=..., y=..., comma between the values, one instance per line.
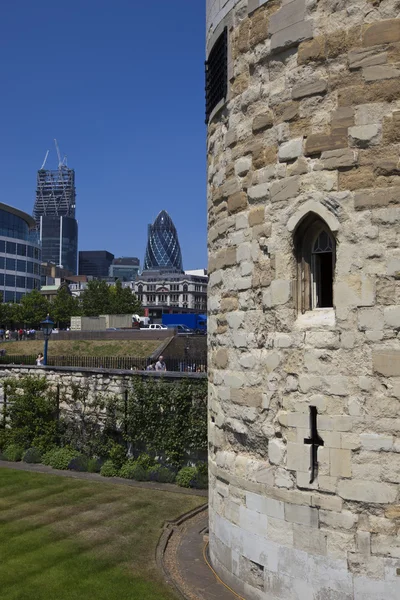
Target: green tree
x=96, y=299
x=33, y=309
x=63, y=307
x=124, y=301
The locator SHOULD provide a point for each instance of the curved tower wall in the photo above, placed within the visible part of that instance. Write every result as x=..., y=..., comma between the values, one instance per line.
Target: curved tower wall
x=308, y=136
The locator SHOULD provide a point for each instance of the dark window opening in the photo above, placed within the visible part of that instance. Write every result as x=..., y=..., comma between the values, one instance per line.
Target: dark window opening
x=315, y=248
x=217, y=73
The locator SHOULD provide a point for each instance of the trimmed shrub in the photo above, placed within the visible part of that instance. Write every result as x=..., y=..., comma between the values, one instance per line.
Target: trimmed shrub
x=165, y=475
x=145, y=461
x=108, y=469
x=132, y=470
x=186, y=477
x=4, y=437
x=140, y=474
x=201, y=481
x=13, y=452
x=117, y=456
x=60, y=458
x=202, y=468
x=79, y=463
x=153, y=473
x=94, y=465
x=32, y=455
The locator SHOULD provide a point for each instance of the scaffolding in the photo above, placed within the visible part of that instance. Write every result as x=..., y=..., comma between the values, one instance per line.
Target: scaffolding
x=55, y=193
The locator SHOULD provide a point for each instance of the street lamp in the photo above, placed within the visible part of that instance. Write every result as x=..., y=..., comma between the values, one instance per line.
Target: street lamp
x=47, y=327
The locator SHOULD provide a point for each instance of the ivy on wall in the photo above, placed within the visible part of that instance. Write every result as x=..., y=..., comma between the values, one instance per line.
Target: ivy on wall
x=165, y=419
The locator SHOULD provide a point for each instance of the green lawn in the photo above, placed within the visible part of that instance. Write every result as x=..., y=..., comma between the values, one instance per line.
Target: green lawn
x=62, y=539
x=136, y=348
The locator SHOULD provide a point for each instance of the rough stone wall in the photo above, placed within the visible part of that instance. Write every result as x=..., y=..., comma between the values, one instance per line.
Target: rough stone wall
x=110, y=382
x=311, y=124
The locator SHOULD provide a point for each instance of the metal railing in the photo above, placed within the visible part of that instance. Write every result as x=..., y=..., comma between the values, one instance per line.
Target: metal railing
x=191, y=364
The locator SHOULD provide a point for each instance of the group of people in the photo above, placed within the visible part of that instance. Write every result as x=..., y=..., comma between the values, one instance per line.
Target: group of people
x=19, y=334
x=157, y=366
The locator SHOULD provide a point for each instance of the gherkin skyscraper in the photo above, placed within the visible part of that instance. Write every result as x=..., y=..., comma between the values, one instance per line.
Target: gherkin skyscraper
x=163, y=251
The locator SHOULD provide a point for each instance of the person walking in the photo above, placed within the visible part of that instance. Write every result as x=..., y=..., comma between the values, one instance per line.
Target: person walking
x=160, y=364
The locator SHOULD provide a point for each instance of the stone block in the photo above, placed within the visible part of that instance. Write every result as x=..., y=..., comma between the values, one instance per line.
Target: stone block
x=252, y=521
x=342, y=118
x=237, y=202
x=221, y=358
x=256, y=216
x=263, y=121
x=231, y=137
x=334, y=520
x=370, y=319
x=376, y=198
x=280, y=531
x=336, y=159
x=365, y=57
x=251, y=397
x=243, y=166
x=376, y=442
x=298, y=457
x=266, y=506
x=259, y=192
x=288, y=15
x=290, y=150
x=309, y=88
x=302, y=515
x=320, y=142
x=280, y=291
x=340, y=462
x=292, y=36
x=378, y=72
x=310, y=541
x=381, y=32
x=313, y=50
x=391, y=315
x=367, y=491
x=284, y=189
x=386, y=362
x=363, y=136
x=276, y=451
x=386, y=545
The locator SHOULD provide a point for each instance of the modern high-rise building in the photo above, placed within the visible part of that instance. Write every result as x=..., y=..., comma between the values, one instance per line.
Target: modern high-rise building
x=163, y=251
x=95, y=262
x=125, y=268
x=54, y=213
x=19, y=254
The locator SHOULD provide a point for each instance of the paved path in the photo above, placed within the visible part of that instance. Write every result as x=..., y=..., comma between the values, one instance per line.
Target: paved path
x=184, y=562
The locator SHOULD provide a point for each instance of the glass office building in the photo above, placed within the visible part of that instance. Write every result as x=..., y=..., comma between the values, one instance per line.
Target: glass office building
x=95, y=262
x=54, y=212
x=20, y=255
x=125, y=268
x=163, y=250
x=59, y=241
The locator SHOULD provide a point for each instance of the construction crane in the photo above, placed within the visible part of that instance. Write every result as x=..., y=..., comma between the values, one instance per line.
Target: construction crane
x=44, y=162
x=60, y=164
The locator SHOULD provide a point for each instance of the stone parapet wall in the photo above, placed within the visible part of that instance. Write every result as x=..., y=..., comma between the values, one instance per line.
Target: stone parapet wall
x=311, y=125
x=97, y=381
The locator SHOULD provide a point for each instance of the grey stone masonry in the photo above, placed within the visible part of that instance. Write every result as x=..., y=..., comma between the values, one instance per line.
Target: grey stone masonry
x=303, y=200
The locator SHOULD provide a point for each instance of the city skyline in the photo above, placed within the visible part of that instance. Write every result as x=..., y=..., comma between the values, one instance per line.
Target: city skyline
x=133, y=153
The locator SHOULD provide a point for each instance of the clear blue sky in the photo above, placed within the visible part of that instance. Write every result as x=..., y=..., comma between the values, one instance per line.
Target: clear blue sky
x=120, y=84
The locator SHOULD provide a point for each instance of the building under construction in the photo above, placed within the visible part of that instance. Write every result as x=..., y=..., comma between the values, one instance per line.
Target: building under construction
x=54, y=212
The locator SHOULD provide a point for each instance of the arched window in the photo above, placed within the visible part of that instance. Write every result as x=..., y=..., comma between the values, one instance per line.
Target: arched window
x=316, y=252
x=185, y=288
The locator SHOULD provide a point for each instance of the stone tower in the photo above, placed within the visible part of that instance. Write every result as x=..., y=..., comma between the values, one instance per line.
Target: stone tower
x=303, y=113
